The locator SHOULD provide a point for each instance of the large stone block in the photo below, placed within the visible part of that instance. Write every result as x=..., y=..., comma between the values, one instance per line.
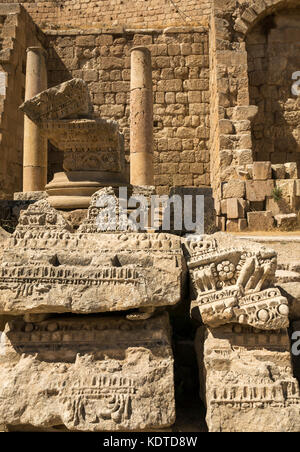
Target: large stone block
x=258, y=190
x=291, y=170
x=49, y=268
x=232, y=281
x=244, y=112
x=262, y=171
x=286, y=221
x=87, y=374
x=62, y=101
x=287, y=192
x=235, y=208
x=278, y=206
x=260, y=221
x=248, y=380
x=297, y=187
x=234, y=189
x=278, y=171
x=190, y=196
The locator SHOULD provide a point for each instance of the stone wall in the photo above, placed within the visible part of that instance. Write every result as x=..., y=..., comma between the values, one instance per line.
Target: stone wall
x=109, y=13
x=273, y=58
x=238, y=121
x=17, y=33
x=181, y=92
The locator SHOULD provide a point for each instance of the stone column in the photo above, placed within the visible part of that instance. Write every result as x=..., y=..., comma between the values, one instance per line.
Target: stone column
x=35, y=145
x=141, y=118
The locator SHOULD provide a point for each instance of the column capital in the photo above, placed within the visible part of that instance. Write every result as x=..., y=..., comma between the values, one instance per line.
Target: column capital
x=141, y=49
x=37, y=50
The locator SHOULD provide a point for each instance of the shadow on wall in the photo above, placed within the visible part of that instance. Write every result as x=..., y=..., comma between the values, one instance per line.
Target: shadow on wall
x=273, y=57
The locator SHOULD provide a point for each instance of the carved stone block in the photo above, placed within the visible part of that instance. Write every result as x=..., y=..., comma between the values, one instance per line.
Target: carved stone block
x=247, y=380
x=66, y=100
x=233, y=281
x=79, y=374
x=47, y=268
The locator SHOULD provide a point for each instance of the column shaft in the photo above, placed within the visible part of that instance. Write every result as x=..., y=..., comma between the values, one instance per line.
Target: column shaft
x=35, y=145
x=141, y=118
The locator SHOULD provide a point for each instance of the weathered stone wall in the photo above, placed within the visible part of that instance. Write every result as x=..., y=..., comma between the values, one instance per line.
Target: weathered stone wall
x=108, y=13
x=235, y=116
x=214, y=144
x=180, y=87
x=273, y=58
x=17, y=33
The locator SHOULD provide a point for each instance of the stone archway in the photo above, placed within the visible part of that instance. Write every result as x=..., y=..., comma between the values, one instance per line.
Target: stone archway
x=249, y=121
x=246, y=17
x=273, y=49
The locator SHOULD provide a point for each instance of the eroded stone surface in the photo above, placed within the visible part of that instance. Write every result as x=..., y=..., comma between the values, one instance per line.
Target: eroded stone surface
x=62, y=101
x=95, y=374
x=114, y=209
x=82, y=136
x=233, y=281
x=247, y=380
x=48, y=268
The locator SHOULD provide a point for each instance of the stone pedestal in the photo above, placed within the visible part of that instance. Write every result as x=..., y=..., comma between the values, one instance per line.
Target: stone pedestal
x=141, y=118
x=35, y=144
x=93, y=158
x=93, y=148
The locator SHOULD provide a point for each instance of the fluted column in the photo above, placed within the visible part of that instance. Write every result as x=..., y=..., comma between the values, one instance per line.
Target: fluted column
x=141, y=118
x=35, y=145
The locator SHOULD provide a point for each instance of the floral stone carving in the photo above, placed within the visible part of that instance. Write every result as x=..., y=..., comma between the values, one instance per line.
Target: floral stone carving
x=233, y=281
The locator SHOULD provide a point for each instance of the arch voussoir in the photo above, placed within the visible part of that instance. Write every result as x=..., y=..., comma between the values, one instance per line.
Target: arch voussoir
x=257, y=11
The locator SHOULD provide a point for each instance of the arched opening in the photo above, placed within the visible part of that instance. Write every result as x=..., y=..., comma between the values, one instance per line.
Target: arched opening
x=273, y=48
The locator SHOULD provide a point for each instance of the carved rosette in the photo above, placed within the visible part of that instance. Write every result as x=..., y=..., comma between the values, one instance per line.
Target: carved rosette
x=235, y=284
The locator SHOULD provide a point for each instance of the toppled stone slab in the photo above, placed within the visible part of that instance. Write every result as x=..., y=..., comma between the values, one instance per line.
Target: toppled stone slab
x=95, y=374
x=46, y=268
x=233, y=281
x=247, y=380
x=260, y=221
x=286, y=221
x=66, y=100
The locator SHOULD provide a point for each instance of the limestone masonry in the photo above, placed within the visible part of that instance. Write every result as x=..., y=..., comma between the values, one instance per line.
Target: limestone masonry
x=106, y=326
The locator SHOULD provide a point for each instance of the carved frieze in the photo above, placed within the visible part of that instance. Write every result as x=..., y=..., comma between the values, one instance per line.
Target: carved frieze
x=233, y=281
x=88, y=374
x=69, y=99
x=246, y=379
x=48, y=268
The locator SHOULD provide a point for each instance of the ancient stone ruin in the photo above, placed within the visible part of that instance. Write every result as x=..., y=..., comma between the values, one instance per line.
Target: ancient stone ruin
x=113, y=324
